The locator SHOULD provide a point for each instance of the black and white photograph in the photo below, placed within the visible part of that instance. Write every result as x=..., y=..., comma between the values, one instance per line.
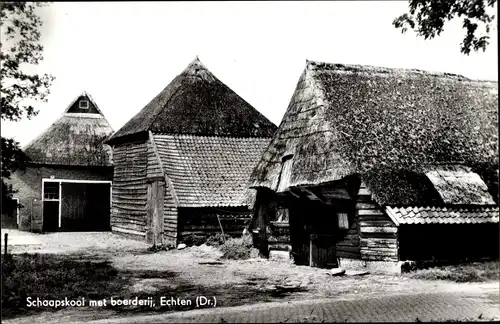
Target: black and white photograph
x=249, y=161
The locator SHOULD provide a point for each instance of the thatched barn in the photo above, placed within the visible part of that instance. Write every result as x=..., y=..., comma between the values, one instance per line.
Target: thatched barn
x=183, y=162
x=66, y=186
x=379, y=164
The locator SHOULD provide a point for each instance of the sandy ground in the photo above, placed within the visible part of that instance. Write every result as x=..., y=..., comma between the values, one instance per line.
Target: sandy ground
x=100, y=244
x=196, y=271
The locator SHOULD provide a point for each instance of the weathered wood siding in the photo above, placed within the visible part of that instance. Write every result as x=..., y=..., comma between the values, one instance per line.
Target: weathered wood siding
x=204, y=222
x=130, y=189
x=348, y=242
x=170, y=217
x=378, y=235
x=154, y=169
x=278, y=236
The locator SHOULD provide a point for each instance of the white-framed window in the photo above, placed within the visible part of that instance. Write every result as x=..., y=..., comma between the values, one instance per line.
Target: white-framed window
x=50, y=190
x=83, y=104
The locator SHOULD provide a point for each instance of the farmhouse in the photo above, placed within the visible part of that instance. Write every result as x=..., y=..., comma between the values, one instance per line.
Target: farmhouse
x=374, y=166
x=182, y=164
x=67, y=184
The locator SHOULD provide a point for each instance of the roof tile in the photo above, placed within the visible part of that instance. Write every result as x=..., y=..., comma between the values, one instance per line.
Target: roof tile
x=436, y=215
x=210, y=171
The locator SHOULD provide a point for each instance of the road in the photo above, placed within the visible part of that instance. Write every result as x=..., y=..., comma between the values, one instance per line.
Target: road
x=407, y=307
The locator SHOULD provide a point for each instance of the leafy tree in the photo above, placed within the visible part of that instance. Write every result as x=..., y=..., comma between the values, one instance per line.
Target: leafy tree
x=20, y=50
x=427, y=18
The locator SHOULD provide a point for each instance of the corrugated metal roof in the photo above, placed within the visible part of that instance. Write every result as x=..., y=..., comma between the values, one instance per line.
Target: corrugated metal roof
x=210, y=171
x=444, y=215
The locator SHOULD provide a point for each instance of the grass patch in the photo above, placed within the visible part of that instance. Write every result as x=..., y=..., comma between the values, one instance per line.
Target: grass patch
x=471, y=272
x=53, y=277
x=237, y=248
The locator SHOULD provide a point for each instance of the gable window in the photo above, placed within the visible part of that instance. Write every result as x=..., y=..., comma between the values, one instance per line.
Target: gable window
x=83, y=104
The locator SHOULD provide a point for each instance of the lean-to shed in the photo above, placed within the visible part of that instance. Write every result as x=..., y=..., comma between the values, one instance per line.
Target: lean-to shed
x=379, y=164
x=67, y=184
x=182, y=163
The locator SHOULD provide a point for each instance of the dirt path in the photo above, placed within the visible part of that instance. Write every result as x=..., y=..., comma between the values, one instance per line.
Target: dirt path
x=197, y=271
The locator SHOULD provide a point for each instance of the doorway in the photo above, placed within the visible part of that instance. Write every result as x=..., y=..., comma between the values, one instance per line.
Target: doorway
x=76, y=205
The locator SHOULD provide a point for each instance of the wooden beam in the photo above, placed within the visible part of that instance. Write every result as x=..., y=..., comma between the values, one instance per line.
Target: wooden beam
x=293, y=193
x=311, y=194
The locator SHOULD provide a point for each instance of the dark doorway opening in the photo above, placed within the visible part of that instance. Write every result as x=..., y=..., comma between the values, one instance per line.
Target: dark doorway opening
x=50, y=216
x=85, y=206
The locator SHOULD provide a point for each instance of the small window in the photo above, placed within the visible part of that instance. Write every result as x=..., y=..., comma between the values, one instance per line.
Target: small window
x=51, y=191
x=84, y=104
x=343, y=221
x=282, y=215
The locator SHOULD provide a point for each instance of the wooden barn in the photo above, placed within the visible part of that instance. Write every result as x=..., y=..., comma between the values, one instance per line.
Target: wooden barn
x=67, y=184
x=372, y=166
x=182, y=164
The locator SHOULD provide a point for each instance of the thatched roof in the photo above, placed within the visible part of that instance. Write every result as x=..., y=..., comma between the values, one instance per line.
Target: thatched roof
x=210, y=171
x=389, y=125
x=197, y=103
x=75, y=139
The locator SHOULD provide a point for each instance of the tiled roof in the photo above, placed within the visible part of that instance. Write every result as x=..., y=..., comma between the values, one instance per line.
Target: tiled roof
x=210, y=171
x=436, y=215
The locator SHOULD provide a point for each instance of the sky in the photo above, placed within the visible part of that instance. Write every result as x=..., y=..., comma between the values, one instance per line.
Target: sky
x=125, y=53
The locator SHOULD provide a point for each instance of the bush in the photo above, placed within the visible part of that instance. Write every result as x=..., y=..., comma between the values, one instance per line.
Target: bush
x=237, y=248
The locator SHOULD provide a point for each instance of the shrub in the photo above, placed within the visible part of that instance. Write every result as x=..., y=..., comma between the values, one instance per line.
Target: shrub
x=237, y=248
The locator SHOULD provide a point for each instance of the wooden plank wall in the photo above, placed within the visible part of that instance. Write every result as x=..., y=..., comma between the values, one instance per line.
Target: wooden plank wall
x=170, y=215
x=348, y=242
x=129, y=189
x=154, y=169
x=278, y=236
x=204, y=222
x=378, y=234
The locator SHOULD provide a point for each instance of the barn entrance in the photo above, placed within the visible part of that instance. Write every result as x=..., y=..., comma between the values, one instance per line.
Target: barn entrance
x=71, y=205
x=313, y=227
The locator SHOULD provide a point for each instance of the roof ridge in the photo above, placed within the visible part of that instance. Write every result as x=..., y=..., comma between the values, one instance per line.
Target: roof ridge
x=385, y=69
x=212, y=136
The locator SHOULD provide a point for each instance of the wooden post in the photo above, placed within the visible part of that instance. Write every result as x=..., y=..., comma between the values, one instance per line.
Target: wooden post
x=310, y=252
x=6, y=237
x=221, y=229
